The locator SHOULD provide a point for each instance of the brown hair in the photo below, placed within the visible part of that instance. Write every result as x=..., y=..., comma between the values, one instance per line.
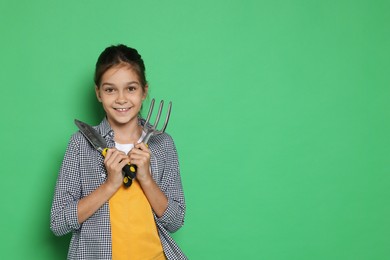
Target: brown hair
x=116, y=55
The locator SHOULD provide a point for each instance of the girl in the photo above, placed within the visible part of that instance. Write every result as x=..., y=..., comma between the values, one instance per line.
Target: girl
x=108, y=220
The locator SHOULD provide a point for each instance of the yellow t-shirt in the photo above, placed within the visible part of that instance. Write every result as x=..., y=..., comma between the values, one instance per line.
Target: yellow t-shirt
x=133, y=229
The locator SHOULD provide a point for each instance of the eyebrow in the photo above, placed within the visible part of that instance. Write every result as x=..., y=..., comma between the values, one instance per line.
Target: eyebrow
x=128, y=83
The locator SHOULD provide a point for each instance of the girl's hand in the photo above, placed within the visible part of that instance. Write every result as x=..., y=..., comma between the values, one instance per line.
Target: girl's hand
x=140, y=156
x=114, y=161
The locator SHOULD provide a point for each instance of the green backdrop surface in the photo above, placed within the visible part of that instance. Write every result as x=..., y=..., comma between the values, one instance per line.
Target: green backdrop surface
x=281, y=117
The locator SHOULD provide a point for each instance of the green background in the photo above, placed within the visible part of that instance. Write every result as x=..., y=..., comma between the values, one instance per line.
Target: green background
x=281, y=116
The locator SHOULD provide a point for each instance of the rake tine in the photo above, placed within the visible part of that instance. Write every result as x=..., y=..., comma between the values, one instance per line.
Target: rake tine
x=150, y=112
x=158, y=114
x=167, y=118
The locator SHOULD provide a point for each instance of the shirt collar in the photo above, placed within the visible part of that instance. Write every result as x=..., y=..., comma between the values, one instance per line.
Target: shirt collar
x=105, y=129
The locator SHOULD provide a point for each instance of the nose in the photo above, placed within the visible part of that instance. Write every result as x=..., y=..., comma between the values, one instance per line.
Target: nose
x=121, y=98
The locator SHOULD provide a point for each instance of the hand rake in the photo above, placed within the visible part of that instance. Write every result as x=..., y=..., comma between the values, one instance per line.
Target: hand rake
x=149, y=130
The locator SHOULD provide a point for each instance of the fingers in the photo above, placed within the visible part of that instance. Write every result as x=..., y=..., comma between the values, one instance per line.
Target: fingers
x=140, y=156
x=115, y=160
x=142, y=146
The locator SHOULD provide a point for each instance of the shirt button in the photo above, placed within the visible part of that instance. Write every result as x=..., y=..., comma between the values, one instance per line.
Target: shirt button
x=103, y=175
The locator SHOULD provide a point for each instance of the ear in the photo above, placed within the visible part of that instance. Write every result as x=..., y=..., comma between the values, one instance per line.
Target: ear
x=98, y=94
x=145, y=94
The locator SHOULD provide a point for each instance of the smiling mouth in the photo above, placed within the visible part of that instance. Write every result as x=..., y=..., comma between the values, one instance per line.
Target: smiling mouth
x=122, y=109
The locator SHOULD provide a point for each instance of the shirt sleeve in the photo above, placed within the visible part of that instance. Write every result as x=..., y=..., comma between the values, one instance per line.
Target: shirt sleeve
x=173, y=217
x=63, y=218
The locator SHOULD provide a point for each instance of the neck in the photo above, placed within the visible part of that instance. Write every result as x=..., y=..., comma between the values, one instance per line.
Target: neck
x=127, y=133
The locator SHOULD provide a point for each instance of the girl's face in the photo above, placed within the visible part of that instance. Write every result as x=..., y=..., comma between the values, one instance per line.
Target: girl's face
x=121, y=95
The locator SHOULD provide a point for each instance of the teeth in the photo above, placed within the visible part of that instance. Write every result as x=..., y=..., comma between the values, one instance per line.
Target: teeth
x=121, y=109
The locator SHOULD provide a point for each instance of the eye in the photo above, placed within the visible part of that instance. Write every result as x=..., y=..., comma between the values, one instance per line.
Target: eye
x=132, y=88
x=108, y=90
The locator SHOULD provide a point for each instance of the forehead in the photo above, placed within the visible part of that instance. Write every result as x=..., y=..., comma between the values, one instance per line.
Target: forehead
x=120, y=73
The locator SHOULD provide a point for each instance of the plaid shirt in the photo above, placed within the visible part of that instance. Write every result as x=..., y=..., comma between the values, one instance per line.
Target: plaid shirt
x=82, y=171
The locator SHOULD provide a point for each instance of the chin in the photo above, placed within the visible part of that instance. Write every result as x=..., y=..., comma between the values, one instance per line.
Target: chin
x=122, y=121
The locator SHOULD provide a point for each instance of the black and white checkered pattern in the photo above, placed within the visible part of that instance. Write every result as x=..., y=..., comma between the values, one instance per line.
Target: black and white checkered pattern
x=82, y=171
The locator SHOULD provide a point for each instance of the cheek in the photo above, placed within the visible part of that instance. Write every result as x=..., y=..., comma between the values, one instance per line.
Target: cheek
x=138, y=98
